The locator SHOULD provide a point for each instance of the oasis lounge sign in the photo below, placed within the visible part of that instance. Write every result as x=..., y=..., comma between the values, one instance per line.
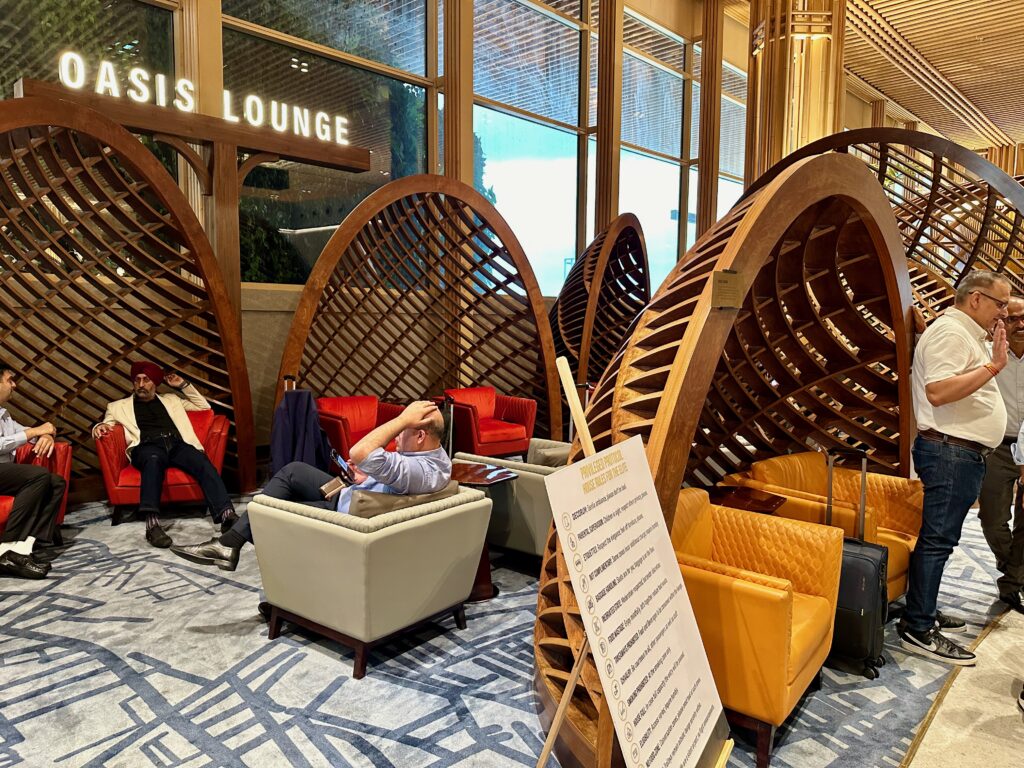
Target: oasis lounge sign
x=144, y=88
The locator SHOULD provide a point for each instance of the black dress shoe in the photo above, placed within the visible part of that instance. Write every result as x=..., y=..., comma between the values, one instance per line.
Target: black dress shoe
x=158, y=537
x=264, y=609
x=40, y=562
x=227, y=521
x=1014, y=600
x=22, y=566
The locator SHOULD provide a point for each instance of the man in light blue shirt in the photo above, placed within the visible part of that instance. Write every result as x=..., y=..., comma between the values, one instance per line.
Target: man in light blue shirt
x=37, y=493
x=418, y=465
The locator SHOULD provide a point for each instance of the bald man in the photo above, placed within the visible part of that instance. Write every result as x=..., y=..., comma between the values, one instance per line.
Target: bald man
x=418, y=465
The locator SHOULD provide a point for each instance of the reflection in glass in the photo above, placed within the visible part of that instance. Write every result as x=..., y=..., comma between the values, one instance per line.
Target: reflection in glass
x=529, y=172
x=33, y=34
x=393, y=32
x=652, y=106
x=649, y=188
x=526, y=59
x=288, y=210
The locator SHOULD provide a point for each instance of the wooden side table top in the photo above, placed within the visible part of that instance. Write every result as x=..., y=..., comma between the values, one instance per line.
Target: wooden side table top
x=750, y=499
x=475, y=474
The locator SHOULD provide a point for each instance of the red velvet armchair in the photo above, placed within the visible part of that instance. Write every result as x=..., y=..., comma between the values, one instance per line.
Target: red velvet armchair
x=59, y=462
x=346, y=420
x=489, y=424
x=122, y=480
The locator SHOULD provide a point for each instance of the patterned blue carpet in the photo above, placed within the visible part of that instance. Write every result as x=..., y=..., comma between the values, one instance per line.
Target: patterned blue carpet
x=127, y=656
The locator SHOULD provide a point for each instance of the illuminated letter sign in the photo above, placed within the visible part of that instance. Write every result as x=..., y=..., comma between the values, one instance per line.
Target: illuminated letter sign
x=144, y=88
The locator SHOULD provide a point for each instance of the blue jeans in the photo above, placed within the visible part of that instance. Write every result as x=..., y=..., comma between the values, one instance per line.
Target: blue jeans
x=952, y=478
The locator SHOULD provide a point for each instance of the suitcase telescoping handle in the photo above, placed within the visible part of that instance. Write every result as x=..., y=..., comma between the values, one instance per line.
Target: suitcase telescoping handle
x=832, y=453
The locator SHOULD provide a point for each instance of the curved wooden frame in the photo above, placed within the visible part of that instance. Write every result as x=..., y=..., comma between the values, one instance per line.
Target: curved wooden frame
x=428, y=263
x=812, y=232
x=606, y=289
x=113, y=266
x=956, y=210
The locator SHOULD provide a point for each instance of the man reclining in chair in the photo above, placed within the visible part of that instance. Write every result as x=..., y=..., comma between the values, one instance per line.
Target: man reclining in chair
x=419, y=465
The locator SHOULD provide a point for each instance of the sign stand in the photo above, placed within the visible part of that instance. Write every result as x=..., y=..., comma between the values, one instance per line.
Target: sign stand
x=719, y=747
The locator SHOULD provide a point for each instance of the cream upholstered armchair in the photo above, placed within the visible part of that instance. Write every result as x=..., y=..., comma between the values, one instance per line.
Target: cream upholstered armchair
x=764, y=593
x=361, y=581
x=892, y=514
x=521, y=517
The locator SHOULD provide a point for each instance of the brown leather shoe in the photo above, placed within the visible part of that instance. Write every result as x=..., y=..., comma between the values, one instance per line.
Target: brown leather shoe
x=22, y=566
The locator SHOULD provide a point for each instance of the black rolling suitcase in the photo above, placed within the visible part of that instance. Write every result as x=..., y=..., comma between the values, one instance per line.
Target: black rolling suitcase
x=861, y=611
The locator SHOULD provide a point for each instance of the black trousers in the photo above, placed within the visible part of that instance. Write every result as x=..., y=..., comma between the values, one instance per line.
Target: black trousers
x=294, y=482
x=37, y=497
x=153, y=457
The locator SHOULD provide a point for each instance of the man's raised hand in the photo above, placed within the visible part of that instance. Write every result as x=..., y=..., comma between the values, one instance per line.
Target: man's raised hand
x=419, y=414
x=999, y=345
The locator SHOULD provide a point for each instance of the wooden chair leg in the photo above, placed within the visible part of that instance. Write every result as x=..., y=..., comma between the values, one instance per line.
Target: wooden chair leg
x=765, y=744
x=815, y=684
x=275, y=623
x=460, y=616
x=359, y=665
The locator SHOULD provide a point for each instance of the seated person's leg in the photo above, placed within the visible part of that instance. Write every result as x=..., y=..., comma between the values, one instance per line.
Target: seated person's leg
x=299, y=482
x=151, y=461
x=27, y=522
x=198, y=465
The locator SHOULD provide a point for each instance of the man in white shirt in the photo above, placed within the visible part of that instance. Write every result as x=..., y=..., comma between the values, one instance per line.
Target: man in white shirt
x=1002, y=472
x=960, y=419
x=418, y=465
x=37, y=493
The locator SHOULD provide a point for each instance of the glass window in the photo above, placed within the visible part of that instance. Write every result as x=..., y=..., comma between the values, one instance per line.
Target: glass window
x=729, y=191
x=292, y=209
x=732, y=138
x=393, y=32
x=529, y=172
x=691, y=207
x=695, y=121
x=667, y=50
x=649, y=188
x=33, y=34
x=652, y=106
x=526, y=59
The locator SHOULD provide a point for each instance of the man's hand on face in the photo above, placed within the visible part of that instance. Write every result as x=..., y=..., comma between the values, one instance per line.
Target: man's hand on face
x=174, y=381
x=101, y=429
x=43, y=446
x=419, y=414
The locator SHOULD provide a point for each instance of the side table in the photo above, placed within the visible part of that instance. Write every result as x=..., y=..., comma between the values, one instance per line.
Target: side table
x=476, y=475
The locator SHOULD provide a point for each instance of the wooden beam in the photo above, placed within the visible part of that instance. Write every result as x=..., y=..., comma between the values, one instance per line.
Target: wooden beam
x=147, y=118
x=878, y=113
x=458, y=95
x=609, y=112
x=709, y=142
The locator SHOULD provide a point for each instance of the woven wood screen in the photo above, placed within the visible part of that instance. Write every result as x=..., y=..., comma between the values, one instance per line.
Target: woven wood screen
x=104, y=263
x=956, y=211
x=606, y=289
x=818, y=354
x=424, y=287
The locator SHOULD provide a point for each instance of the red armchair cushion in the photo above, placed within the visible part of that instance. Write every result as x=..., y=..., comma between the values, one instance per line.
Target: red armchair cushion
x=495, y=431
x=359, y=410
x=6, y=502
x=481, y=397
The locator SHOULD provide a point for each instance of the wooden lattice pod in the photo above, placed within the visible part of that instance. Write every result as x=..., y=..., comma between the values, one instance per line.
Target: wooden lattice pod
x=104, y=263
x=606, y=289
x=818, y=354
x=424, y=287
x=956, y=211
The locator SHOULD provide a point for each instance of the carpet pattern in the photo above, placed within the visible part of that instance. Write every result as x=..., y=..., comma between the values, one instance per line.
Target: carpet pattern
x=128, y=656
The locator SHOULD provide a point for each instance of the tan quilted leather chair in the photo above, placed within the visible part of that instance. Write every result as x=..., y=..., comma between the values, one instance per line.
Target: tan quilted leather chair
x=892, y=514
x=362, y=581
x=764, y=591
x=521, y=517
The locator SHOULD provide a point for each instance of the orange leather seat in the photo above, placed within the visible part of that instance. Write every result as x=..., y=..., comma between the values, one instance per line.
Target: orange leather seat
x=489, y=424
x=892, y=512
x=347, y=420
x=764, y=591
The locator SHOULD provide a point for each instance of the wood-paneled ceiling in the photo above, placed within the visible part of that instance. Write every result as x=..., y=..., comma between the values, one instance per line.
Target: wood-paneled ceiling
x=962, y=55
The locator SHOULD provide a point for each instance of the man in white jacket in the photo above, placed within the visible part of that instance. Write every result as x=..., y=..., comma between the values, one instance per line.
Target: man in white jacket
x=159, y=435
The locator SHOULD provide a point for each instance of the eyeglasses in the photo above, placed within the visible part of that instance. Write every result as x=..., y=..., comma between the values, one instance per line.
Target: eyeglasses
x=999, y=304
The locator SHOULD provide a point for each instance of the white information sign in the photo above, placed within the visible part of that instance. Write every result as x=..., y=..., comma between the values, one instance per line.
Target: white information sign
x=635, y=609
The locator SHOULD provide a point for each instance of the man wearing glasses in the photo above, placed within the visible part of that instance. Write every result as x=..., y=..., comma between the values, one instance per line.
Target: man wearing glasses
x=1002, y=472
x=960, y=419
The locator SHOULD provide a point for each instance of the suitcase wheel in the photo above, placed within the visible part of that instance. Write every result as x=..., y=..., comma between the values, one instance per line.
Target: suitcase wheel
x=880, y=661
x=870, y=673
